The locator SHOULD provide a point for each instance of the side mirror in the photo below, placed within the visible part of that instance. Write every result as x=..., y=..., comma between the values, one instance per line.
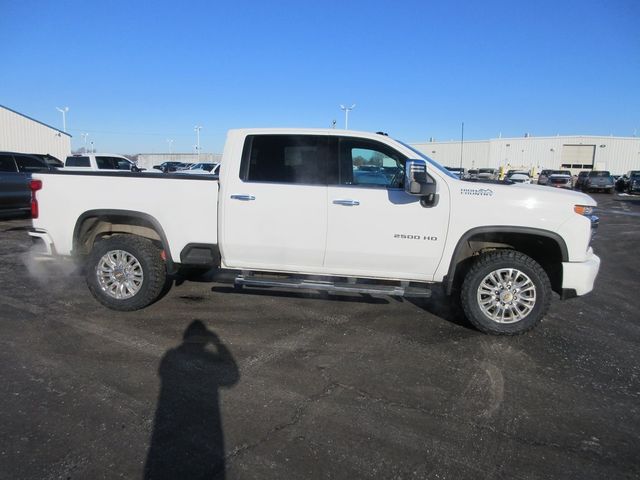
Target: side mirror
x=416, y=181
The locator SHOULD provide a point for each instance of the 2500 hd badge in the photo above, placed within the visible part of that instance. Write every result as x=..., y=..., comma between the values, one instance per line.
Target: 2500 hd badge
x=404, y=236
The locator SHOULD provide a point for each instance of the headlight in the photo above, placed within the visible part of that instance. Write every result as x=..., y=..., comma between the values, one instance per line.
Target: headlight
x=583, y=210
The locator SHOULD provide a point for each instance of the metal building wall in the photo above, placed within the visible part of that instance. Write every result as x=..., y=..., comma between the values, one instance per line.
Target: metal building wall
x=19, y=133
x=148, y=160
x=616, y=154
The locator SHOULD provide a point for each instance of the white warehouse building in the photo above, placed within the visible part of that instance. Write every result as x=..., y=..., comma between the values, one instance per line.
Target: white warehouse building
x=23, y=134
x=575, y=153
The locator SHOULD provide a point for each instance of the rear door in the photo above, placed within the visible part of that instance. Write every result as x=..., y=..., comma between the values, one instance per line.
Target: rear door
x=375, y=229
x=275, y=210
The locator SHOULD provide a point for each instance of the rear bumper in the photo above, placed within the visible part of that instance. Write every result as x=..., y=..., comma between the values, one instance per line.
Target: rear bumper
x=580, y=276
x=42, y=245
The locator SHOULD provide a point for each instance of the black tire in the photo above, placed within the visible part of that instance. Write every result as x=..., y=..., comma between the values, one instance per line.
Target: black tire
x=505, y=259
x=153, y=269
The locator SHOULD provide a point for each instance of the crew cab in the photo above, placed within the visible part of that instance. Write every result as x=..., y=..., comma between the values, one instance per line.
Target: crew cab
x=291, y=209
x=100, y=162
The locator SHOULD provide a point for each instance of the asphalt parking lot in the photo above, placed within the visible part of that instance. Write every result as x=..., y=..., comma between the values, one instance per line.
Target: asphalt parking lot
x=287, y=385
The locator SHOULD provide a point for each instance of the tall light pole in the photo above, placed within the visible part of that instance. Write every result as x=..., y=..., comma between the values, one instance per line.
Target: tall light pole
x=64, y=111
x=197, y=129
x=346, y=111
x=84, y=136
x=93, y=149
x=170, y=142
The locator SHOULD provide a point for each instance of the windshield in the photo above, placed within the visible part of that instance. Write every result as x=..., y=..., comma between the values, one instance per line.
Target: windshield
x=432, y=162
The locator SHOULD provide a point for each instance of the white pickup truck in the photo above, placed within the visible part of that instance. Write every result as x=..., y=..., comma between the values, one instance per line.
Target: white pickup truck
x=332, y=210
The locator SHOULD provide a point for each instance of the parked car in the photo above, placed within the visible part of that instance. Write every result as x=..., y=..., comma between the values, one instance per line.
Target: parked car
x=100, y=162
x=200, y=169
x=168, y=167
x=472, y=174
x=488, y=173
x=598, y=180
x=519, y=177
x=286, y=204
x=632, y=182
x=580, y=180
x=457, y=171
x=560, y=179
x=623, y=184
x=15, y=181
x=543, y=178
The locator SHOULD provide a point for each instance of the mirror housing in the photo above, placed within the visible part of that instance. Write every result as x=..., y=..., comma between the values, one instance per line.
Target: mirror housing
x=416, y=181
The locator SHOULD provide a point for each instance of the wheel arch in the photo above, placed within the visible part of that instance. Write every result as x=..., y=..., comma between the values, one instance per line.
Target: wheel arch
x=546, y=247
x=94, y=223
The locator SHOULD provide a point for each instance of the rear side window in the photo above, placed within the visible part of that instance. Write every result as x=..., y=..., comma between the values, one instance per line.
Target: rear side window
x=77, y=162
x=7, y=164
x=30, y=164
x=292, y=159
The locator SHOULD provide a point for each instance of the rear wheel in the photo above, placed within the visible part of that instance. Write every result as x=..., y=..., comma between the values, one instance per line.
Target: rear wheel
x=505, y=292
x=125, y=272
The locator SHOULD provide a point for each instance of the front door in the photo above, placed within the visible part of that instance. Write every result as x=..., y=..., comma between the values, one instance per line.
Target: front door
x=375, y=229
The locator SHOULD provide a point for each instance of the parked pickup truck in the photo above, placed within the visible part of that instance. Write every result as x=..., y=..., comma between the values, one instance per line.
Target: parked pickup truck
x=289, y=212
x=15, y=181
x=100, y=162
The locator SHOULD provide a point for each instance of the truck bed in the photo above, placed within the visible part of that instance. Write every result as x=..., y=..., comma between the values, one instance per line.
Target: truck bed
x=185, y=207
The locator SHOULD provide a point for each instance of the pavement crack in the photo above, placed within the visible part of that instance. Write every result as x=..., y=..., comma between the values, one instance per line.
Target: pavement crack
x=298, y=413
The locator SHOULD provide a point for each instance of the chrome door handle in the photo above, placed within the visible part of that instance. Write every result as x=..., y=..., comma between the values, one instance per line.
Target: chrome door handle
x=347, y=203
x=244, y=198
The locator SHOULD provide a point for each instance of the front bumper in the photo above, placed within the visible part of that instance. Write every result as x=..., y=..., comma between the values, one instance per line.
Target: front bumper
x=578, y=277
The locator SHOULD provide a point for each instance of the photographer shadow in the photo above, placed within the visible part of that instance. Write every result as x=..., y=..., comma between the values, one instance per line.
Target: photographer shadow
x=188, y=439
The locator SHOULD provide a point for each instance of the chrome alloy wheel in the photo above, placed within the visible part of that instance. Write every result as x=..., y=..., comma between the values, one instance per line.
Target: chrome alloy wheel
x=506, y=295
x=119, y=274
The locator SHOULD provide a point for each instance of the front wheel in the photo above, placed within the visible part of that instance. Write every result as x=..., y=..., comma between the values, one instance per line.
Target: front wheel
x=505, y=292
x=125, y=272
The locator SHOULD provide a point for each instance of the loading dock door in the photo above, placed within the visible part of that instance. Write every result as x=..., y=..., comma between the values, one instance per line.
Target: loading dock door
x=578, y=157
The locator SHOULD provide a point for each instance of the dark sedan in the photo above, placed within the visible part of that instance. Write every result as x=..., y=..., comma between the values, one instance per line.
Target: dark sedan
x=168, y=167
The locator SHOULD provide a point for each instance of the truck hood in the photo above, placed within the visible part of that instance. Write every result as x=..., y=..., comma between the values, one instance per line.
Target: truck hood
x=549, y=194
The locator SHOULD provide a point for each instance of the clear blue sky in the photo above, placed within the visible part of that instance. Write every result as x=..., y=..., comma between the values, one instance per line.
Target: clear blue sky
x=136, y=73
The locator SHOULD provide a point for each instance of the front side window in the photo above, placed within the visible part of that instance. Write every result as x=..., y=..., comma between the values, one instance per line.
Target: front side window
x=293, y=159
x=112, y=163
x=369, y=163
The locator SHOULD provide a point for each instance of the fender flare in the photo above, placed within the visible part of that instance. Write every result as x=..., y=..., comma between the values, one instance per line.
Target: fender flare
x=125, y=213
x=457, y=252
